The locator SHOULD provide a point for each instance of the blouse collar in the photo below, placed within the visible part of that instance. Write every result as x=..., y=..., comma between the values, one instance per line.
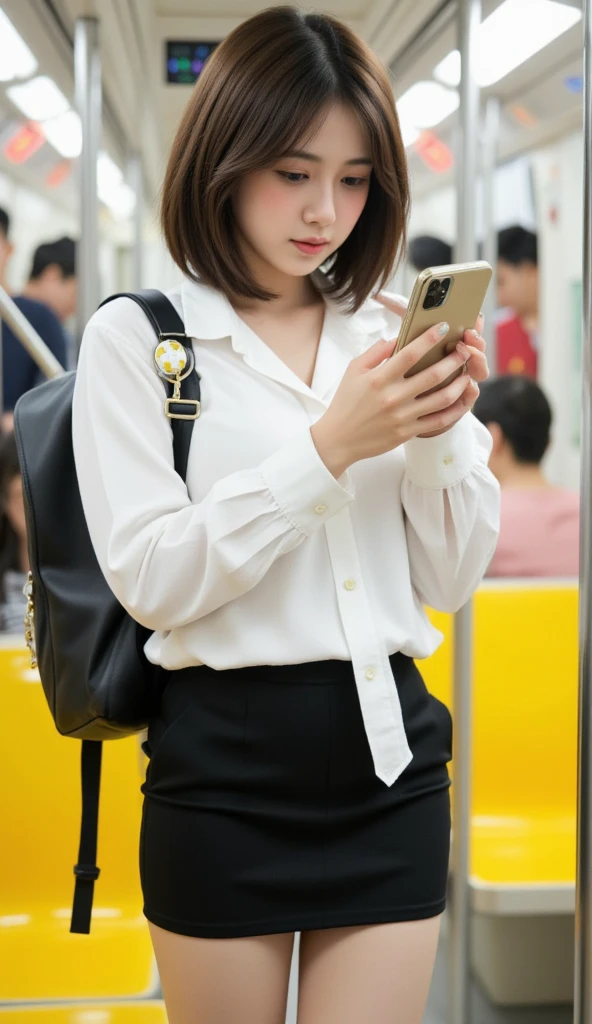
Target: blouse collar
x=209, y=315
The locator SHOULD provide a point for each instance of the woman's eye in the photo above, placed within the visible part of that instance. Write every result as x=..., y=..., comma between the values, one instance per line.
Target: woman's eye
x=291, y=176
x=296, y=176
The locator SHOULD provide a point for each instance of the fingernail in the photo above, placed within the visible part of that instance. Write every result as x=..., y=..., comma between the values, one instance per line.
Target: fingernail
x=476, y=333
x=443, y=329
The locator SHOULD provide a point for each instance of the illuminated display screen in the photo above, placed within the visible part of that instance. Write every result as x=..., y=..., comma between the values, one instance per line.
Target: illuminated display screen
x=185, y=61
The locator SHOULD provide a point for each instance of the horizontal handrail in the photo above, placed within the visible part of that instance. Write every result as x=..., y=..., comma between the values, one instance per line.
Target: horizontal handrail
x=28, y=337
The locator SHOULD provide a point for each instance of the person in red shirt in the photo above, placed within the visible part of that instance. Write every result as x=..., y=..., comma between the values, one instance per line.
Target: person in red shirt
x=518, y=295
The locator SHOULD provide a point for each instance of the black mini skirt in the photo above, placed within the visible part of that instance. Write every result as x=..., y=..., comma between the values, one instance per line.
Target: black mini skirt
x=263, y=814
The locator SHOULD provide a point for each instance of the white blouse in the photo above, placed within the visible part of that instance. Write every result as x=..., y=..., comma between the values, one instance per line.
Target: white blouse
x=264, y=558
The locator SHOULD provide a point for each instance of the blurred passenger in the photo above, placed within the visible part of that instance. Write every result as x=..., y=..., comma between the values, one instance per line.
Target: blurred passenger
x=14, y=559
x=428, y=251
x=48, y=298
x=539, y=533
x=518, y=295
x=53, y=277
x=6, y=247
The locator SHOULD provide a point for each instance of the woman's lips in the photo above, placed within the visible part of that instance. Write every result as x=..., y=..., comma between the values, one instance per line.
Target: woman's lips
x=310, y=248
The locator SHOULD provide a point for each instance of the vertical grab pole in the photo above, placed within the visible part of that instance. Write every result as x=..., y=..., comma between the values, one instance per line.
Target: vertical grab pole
x=583, y=921
x=489, y=163
x=137, y=183
x=87, y=66
x=469, y=18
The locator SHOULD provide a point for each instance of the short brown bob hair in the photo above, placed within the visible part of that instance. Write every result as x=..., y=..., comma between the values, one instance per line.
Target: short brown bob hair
x=264, y=91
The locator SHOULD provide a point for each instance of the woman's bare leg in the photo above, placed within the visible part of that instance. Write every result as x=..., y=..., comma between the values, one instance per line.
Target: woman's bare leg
x=376, y=973
x=224, y=981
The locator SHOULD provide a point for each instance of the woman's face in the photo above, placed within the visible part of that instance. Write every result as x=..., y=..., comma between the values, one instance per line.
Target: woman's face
x=317, y=192
x=14, y=508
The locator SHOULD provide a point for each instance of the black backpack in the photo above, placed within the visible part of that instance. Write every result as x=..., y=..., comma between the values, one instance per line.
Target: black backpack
x=97, y=682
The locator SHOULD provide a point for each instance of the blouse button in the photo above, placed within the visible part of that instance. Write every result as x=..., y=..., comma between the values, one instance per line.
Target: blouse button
x=349, y=584
x=370, y=673
x=319, y=509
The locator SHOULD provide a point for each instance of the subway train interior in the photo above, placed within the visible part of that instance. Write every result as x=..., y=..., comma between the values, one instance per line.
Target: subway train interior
x=511, y=946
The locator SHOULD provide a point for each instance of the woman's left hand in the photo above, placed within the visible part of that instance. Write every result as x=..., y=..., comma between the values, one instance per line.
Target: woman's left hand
x=477, y=367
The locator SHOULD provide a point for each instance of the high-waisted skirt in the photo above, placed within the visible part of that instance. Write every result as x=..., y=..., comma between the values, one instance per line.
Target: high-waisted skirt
x=263, y=813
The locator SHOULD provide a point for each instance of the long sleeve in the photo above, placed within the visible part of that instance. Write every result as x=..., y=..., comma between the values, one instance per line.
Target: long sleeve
x=452, y=506
x=168, y=560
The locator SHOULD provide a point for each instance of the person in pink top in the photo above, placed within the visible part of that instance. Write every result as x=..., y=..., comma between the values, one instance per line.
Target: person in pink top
x=539, y=534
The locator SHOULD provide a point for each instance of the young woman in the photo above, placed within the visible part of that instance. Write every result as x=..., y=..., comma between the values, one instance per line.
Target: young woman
x=298, y=767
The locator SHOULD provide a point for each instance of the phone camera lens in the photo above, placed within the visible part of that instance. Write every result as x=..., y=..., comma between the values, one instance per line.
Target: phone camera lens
x=440, y=291
x=432, y=293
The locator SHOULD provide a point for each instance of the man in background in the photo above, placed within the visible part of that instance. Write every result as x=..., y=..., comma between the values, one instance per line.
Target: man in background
x=428, y=251
x=53, y=277
x=48, y=299
x=518, y=295
x=539, y=534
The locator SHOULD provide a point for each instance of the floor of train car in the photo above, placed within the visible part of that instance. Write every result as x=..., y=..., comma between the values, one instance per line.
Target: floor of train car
x=481, y=1011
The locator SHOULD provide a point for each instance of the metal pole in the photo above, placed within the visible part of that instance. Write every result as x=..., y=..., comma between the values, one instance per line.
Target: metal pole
x=137, y=185
x=28, y=337
x=489, y=163
x=136, y=182
x=87, y=65
x=583, y=922
x=469, y=18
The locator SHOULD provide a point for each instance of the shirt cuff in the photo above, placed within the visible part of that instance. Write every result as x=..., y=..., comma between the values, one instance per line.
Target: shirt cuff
x=305, y=490
x=445, y=460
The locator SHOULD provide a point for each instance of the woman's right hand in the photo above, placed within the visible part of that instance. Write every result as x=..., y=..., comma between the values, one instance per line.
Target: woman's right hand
x=376, y=408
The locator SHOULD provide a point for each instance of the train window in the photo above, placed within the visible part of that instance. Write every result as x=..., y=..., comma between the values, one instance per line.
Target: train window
x=185, y=60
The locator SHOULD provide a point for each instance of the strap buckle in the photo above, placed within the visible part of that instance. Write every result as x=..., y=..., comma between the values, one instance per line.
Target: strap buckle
x=192, y=405
x=88, y=872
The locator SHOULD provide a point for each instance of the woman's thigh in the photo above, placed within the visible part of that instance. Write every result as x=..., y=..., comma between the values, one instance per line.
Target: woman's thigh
x=223, y=981
x=376, y=973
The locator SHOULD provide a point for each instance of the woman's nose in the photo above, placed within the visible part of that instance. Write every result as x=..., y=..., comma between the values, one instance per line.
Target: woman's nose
x=322, y=209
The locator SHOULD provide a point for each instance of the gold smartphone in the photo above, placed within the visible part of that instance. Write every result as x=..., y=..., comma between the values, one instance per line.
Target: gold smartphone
x=453, y=293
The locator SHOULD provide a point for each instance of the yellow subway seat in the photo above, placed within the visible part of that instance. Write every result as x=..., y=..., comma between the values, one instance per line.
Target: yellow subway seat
x=534, y=849
x=525, y=696
x=44, y=961
x=91, y=1013
x=41, y=812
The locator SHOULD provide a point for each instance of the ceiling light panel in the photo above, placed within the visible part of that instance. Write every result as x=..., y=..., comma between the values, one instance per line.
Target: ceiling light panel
x=425, y=104
x=16, y=59
x=515, y=31
x=39, y=99
x=65, y=134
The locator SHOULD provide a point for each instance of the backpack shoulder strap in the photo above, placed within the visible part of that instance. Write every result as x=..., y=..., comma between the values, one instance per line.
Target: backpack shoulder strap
x=165, y=322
